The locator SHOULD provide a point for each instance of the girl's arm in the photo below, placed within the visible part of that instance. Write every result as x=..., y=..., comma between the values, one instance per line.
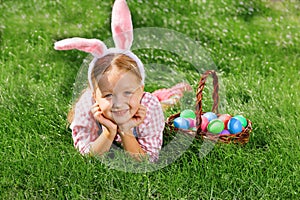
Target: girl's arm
x=132, y=146
x=129, y=141
x=103, y=143
x=150, y=132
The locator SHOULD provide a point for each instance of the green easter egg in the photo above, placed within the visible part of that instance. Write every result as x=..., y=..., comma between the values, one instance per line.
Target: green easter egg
x=188, y=114
x=242, y=119
x=215, y=126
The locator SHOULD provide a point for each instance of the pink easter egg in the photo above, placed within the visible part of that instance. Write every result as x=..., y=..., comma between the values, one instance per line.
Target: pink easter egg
x=204, y=123
x=192, y=122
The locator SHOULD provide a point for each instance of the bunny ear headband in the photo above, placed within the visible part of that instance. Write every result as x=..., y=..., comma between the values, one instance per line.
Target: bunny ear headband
x=122, y=31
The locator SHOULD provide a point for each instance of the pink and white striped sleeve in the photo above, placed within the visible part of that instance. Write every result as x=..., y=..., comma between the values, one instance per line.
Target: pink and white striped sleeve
x=84, y=127
x=150, y=132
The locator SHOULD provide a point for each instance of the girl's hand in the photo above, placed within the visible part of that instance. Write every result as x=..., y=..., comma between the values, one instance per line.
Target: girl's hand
x=97, y=113
x=136, y=120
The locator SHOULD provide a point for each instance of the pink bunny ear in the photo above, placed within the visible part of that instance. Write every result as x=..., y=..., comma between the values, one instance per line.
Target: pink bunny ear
x=121, y=25
x=93, y=46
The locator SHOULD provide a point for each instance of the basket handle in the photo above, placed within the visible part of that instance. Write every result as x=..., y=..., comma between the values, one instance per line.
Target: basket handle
x=199, y=96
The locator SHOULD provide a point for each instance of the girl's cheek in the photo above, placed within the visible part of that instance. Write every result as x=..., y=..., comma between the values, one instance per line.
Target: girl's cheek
x=104, y=105
x=135, y=100
x=135, y=104
x=106, y=109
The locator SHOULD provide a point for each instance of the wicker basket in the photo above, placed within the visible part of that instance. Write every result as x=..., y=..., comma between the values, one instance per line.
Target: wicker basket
x=241, y=137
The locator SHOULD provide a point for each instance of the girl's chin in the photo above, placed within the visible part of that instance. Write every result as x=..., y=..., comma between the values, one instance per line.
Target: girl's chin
x=121, y=119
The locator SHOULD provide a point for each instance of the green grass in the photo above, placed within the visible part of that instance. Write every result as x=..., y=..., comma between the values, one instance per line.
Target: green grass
x=255, y=46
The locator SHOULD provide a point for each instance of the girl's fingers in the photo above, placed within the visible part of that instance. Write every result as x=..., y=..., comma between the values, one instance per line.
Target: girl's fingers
x=140, y=115
x=142, y=111
x=98, y=116
x=95, y=108
x=97, y=113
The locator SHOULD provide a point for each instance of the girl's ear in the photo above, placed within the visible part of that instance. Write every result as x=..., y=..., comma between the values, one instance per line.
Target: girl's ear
x=93, y=46
x=121, y=25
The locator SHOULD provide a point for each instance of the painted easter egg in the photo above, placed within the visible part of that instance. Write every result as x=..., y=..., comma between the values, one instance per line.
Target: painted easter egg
x=225, y=118
x=224, y=132
x=192, y=122
x=181, y=122
x=242, y=119
x=210, y=116
x=234, y=126
x=215, y=126
x=188, y=114
x=204, y=123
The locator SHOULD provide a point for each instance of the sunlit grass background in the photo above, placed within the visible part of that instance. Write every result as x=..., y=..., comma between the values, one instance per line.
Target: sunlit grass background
x=256, y=48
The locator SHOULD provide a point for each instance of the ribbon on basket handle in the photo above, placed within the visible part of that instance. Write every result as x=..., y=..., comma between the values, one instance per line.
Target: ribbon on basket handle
x=199, y=96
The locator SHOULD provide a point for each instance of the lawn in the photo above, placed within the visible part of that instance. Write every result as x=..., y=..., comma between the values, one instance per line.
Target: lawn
x=255, y=46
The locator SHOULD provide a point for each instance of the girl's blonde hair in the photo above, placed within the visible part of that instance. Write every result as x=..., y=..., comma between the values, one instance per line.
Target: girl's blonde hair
x=106, y=64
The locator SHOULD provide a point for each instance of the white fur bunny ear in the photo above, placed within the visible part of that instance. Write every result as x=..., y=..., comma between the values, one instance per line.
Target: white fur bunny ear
x=121, y=25
x=93, y=46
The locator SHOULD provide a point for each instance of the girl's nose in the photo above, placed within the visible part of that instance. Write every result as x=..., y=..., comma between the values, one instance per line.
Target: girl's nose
x=118, y=101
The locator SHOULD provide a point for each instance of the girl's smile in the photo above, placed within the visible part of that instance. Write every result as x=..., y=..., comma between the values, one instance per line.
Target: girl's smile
x=119, y=113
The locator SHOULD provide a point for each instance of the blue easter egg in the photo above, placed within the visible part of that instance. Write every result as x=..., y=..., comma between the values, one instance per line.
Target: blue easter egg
x=234, y=126
x=210, y=116
x=181, y=122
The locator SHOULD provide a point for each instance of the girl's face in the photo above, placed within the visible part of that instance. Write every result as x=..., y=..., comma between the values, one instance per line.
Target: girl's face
x=119, y=95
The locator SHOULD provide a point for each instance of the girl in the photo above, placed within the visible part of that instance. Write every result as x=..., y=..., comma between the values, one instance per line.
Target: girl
x=123, y=111
x=115, y=106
